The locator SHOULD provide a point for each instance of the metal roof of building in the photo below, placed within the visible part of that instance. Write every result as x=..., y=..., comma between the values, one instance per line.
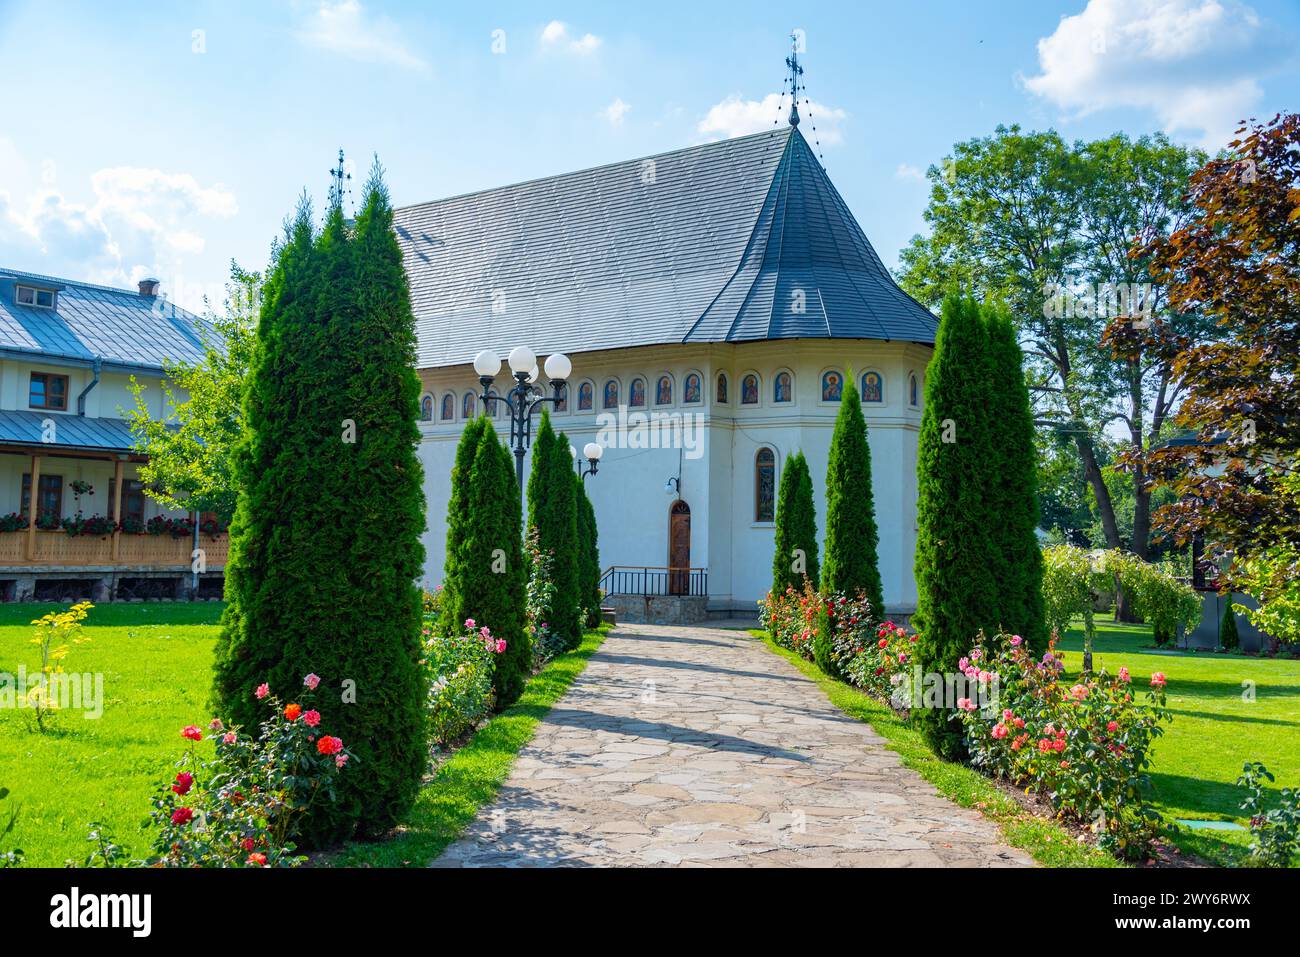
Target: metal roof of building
x=118, y=326
x=739, y=240
x=72, y=432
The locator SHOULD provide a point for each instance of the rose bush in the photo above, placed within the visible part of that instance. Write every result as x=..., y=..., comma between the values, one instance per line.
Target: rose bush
x=458, y=668
x=1085, y=744
x=244, y=805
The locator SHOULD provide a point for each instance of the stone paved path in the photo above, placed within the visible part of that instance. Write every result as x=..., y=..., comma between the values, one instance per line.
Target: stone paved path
x=697, y=746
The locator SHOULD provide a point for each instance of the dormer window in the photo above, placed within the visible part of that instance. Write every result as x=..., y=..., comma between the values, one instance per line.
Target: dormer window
x=31, y=296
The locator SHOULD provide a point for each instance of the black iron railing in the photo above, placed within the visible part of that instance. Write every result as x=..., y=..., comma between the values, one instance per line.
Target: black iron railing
x=650, y=580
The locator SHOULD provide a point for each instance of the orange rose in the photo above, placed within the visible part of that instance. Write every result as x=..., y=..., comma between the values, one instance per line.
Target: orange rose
x=291, y=712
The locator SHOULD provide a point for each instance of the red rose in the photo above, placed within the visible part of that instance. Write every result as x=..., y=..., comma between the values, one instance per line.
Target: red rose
x=311, y=718
x=182, y=815
x=328, y=745
x=883, y=643
x=192, y=733
x=184, y=781
x=257, y=860
x=247, y=844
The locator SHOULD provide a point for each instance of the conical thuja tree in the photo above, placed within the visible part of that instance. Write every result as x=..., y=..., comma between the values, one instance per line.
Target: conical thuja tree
x=851, y=564
x=956, y=593
x=458, y=522
x=1012, y=500
x=492, y=579
x=326, y=543
x=795, y=557
x=552, y=510
x=589, y=548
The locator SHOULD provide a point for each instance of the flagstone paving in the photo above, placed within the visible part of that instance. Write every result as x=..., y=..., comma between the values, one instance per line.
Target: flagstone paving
x=692, y=746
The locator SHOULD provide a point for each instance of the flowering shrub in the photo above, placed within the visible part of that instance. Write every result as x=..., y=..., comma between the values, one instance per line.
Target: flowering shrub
x=12, y=522
x=795, y=619
x=1275, y=834
x=175, y=527
x=1086, y=747
x=54, y=633
x=881, y=663
x=459, y=671
x=244, y=806
x=547, y=643
x=90, y=525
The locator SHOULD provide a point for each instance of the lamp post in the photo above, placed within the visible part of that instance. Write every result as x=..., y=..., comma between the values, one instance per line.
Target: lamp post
x=525, y=398
x=592, y=452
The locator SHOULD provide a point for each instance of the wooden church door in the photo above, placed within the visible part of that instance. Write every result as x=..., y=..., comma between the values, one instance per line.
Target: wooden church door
x=679, y=548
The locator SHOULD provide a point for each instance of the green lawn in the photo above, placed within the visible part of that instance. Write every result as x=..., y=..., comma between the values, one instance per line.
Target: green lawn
x=156, y=662
x=1216, y=728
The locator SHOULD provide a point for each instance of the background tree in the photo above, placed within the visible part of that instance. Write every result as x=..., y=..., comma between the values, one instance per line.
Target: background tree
x=795, y=553
x=1012, y=502
x=589, y=547
x=1237, y=263
x=191, y=456
x=552, y=510
x=325, y=544
x=851, y=564
x=956, y=591
x=491, y=575
x=1047, y=227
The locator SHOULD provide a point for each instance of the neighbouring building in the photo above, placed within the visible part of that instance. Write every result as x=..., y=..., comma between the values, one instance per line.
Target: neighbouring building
x=74, y=518
x=713, y=301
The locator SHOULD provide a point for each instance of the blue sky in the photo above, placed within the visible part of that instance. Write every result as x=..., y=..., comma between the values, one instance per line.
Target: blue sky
x=169, y=138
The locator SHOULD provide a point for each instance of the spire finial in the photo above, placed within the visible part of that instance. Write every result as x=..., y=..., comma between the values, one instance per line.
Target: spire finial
x=339, y=177
x=796, y=71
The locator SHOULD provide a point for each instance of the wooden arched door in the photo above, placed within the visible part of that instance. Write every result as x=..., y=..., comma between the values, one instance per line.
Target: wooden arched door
x=679, y=548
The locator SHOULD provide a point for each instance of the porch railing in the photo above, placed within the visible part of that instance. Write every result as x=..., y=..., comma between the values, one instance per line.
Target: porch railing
x=58, y=548
x=651, y=580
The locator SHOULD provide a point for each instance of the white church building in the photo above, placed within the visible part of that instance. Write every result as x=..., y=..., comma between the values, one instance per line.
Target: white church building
x=712, y=301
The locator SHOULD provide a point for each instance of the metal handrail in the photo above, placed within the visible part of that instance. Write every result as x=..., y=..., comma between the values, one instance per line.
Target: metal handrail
x=652, y=580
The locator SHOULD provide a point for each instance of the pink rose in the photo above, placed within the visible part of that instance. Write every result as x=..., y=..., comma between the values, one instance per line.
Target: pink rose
x=469, y=623
x=311, y=718
x=311, y=681
x=1158, y=679
x=191, y=733
x=1123, y=674
x=1015, y=641
x=215, y=724
x=999, y=730
x=228, y=738
x=1112, y=726
x=262, y=690
x=501, y=645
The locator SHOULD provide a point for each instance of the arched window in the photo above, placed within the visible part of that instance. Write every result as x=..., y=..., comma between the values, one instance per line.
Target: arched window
x=664, y=391
x=691, y=389
x=873, y=387
x=636, y=394
x=426, y=409
x=611, y=394
x=764, y=485
x=749, y=390
x=448, y=412
x=585, y=397
x=781, y=387
x=468, y=406
x=722, y=388
x=832, y=386
x=913, y=390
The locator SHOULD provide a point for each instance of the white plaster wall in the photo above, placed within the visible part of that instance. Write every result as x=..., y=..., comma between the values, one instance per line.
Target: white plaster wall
x=718, y=483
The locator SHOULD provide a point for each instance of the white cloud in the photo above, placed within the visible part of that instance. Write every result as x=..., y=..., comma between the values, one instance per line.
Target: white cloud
x=556, y=36
x=736, y=116
x=907, y=171
x=346, y=28
x=1195, y=64
x=615, y=112
x=137, y=221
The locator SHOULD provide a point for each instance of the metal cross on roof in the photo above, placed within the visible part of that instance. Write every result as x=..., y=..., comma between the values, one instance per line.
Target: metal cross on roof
x=796, y=71
x=339, y=178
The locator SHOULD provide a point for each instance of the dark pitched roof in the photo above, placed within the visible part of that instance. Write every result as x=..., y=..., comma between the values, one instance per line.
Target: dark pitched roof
x=119, y=326
x=717, y=243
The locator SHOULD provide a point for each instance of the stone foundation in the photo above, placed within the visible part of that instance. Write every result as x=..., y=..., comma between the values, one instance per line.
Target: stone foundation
x=660, y=609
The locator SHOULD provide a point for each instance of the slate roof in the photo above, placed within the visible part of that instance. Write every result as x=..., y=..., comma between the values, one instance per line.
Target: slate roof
x=73, y=432
x=716, y=243
x=119, y=326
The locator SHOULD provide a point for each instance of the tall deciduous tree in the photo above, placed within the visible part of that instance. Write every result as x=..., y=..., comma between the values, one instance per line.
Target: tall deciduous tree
x=795, y=555
x=325, y=546
x=552, y=510
x=191, y=455
x=1047, y=228
x=851, y=563
x=1012, y=501
x=956, y=591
